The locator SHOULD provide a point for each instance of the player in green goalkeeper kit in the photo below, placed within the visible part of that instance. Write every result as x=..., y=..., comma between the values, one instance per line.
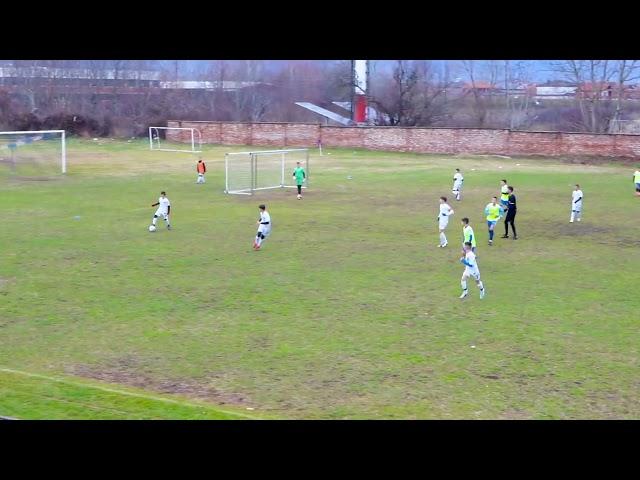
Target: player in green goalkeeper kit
x=300, y=177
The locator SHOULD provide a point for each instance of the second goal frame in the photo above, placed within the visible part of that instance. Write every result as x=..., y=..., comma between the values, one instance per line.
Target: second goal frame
x=247, y=172
x=195, y=141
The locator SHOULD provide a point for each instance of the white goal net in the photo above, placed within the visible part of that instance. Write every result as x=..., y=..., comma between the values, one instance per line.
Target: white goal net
x=37, y=153
x=246, y=172
x=175, y=139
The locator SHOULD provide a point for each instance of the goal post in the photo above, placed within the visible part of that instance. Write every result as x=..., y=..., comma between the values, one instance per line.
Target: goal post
x=175, y=139
x=247, y=172
x=34, y=152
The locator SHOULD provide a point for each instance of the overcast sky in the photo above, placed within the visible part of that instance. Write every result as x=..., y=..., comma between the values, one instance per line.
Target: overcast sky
x=192, y=69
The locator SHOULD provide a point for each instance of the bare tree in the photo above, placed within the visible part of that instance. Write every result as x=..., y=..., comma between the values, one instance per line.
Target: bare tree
x=592, y=78
x=479, y=104
x=217, y=73
x=337, y=82
x=413, y=95
x=431, y=102
x=251, y=101
x=518, y=75
x=395, y=97
x=625, y=71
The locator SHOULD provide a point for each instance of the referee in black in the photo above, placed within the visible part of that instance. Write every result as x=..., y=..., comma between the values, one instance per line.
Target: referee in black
x=512, y=209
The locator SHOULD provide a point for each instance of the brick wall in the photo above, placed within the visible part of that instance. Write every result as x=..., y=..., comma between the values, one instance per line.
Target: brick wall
x=417, y=140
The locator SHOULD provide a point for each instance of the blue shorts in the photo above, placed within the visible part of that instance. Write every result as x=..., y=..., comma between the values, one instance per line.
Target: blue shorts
x=491, y=223
x=504, y=203
x=637, y=187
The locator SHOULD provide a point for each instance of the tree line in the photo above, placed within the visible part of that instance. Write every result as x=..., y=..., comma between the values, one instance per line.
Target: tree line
x=481, y=94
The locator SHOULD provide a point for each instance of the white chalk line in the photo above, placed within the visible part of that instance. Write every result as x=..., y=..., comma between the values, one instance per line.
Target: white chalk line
x=122, y=392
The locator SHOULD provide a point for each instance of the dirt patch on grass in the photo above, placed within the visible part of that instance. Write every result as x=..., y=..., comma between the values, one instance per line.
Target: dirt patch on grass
x=599, y=234
x=579, y=229
x=515, y=414
x=406, y=204
x=27, y=179
x=126, y=372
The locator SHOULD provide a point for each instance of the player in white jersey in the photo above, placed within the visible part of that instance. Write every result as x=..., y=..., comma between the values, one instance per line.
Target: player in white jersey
x=264, y=227
x=164, y=210
x=457, y=184
x=443, y=220
x=576, y=204
x=470, y=270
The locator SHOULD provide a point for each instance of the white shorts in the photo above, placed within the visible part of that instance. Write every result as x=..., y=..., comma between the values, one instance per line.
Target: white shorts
x=456, y=187
x=161, y=214
x=443, y=222
x=475, y=274
x=265, y=230
x=576, y=208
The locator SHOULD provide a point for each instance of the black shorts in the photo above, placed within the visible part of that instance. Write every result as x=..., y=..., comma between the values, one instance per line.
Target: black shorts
x=511, y=215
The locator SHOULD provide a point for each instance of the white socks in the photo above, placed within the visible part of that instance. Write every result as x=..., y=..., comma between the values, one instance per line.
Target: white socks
x=463, y=284
x=443, y=239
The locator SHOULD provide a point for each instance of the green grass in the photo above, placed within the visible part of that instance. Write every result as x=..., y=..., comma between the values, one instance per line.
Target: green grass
x=349, y=311
x=33, y=397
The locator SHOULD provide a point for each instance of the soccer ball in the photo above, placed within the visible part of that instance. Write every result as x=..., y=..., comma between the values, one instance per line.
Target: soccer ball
x=299, y=196
x=152, y=228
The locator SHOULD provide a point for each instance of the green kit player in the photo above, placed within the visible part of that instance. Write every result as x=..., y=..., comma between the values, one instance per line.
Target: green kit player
x=300, y=177
x=468, y=235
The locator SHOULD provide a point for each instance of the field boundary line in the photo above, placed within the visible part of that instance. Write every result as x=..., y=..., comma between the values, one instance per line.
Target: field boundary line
x=123, y=392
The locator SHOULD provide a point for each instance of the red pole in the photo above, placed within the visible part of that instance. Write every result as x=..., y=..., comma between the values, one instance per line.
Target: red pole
x=360, y=112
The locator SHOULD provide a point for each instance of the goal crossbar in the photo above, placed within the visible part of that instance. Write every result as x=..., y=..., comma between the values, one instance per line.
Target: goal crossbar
x=269, y=151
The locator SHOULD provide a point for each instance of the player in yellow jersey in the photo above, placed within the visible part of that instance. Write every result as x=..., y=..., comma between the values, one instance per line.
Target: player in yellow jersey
x=504, y=194
x=468, y=235
x=493, y=212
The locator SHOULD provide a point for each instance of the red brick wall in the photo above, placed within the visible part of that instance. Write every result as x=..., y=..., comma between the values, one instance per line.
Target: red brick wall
x=341, y=136
x=418, y=140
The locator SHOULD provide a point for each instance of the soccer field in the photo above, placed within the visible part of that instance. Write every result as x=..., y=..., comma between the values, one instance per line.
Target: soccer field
x=350, y=310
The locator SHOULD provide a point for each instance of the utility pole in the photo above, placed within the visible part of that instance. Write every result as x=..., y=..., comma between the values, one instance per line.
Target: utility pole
x=506, y=88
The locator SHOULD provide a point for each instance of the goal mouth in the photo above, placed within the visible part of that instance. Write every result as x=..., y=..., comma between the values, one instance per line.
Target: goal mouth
x=38, y=155
x=175, y=139
x=248, y=172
